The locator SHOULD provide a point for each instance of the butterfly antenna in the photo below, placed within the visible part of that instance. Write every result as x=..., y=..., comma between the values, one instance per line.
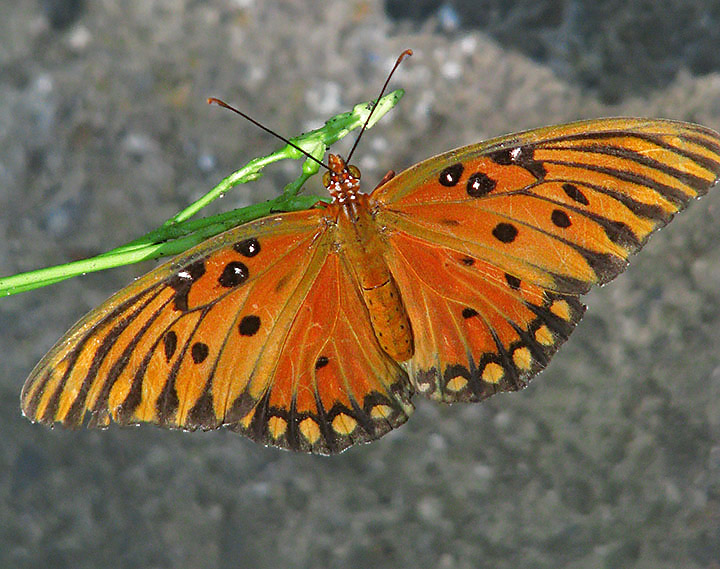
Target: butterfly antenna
x=403, y=55
x=222, y=103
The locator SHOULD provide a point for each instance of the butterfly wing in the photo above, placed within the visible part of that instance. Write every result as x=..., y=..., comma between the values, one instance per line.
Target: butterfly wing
x=252, y=329
x=491, y=244
x=476, y=331
x=263, y=329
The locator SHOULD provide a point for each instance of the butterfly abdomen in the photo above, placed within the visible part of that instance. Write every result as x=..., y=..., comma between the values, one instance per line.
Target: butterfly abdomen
x=362, y=248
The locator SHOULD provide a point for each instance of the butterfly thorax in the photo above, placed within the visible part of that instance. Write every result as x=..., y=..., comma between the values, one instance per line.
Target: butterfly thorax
x=363, y=250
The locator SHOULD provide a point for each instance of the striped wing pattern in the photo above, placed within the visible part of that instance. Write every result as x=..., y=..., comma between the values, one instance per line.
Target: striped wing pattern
x=248, y=330
x=263, y=329
x=520, y=226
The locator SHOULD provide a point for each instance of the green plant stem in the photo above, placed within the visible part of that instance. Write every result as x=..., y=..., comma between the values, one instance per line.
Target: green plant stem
x=179, y=233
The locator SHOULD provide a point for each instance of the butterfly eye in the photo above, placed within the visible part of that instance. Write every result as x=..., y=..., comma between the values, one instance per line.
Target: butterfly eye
x=326, y=179
x=354, y=171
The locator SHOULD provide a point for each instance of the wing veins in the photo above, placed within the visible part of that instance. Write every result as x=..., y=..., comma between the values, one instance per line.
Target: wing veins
x=291, y=300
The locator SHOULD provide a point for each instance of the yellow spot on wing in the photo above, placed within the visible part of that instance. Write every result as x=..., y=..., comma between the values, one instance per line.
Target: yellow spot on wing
x=456, y=383
x=522, y=358
x=544, y=336
x=561, y=309
x=424, y=386
x=245, y=421
x=344, y=424
x=277, y=427
x=381, y=412
x=493, y=372
x=310, y=430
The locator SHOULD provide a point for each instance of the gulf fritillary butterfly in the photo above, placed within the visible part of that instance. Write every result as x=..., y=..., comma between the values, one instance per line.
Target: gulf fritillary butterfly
x=457, y=279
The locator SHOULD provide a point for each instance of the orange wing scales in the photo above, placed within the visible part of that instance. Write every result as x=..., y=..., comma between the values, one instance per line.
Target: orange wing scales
x=458, y=278
x=492, y=244
x=332, y=387
x=562, y=207
x=490, y=333
x=97, y=360
x=63, y=393
x=250, y=330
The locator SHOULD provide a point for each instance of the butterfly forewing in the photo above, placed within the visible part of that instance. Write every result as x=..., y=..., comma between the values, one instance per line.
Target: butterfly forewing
x=561, y=207
x=148, y=328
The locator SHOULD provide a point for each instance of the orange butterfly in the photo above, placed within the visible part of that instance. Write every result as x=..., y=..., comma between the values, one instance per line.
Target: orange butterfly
x=457, y=279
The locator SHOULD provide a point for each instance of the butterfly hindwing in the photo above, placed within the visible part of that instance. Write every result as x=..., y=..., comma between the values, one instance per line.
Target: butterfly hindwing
x=330, y=385
x=477, y=330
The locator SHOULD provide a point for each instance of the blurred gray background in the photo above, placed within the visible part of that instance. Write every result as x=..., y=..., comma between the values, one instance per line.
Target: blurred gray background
x=611, y=458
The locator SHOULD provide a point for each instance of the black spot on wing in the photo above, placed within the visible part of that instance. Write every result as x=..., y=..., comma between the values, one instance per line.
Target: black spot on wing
x=183, y=280
x=574, y=193
x=451, y=175
x=560, y=218
x=522, y=156
x=468, y=312
x=505, y=232
x=512, y=281
x=248, y=247
x=199, y=352
x=479, y=184
x=235, y=273
x=170, y=340
x=249, y=325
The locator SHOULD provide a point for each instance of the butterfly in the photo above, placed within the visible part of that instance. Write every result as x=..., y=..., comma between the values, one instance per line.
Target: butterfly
x=456, y=279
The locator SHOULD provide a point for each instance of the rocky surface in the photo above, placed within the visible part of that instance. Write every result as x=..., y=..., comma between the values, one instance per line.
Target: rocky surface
x=611, y=458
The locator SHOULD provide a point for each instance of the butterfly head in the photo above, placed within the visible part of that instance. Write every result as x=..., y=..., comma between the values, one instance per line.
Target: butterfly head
x=341, y=180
